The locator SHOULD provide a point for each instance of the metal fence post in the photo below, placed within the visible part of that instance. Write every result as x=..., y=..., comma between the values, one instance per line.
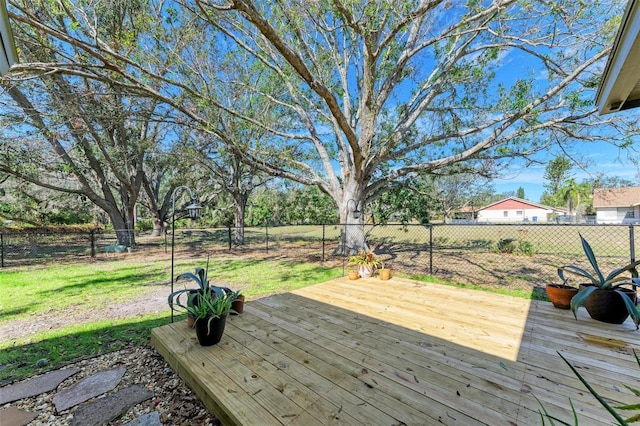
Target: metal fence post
x=430, y=249
x=323, y=242
x=229, y=237
x=632, y=253
x=343, y=239
x=632, y=245
x=266, y=230
x=1, y=250
x=92, y=240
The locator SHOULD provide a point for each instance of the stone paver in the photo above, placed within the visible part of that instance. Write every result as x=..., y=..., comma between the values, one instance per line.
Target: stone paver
x=103, y=410
x=88, y=388
x=36, y=386
x=13, y=416
x=149, y=419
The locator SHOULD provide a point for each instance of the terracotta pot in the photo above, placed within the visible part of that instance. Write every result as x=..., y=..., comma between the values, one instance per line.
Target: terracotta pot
x=238, y=305
x=353, y=275
x=385, y=274
x=607, y=305
x=560, y=295
x=210, y=332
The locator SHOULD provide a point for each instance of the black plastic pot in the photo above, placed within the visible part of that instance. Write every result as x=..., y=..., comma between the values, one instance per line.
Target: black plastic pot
x=210, y=331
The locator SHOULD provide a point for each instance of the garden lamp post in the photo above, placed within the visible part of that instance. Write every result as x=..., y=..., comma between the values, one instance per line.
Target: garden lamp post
x=193, y=210
x=355, y=212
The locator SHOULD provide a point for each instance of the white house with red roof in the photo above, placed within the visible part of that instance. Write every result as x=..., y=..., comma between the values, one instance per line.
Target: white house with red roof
x=515, y=209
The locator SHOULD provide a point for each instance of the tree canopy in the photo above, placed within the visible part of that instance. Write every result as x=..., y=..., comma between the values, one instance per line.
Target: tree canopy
x=365, y=94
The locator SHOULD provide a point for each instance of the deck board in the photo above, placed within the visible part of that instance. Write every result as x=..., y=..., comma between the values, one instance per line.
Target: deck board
x=402, y=352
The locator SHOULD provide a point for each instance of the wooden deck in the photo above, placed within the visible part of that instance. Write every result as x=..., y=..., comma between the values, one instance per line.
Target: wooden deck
x=401, y=352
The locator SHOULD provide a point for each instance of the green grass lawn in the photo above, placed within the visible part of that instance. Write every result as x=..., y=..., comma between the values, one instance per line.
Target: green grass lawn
x=56, y=290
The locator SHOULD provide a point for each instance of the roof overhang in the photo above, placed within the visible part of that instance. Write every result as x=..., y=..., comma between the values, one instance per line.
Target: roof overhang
x=8, y=53
x=620, y=85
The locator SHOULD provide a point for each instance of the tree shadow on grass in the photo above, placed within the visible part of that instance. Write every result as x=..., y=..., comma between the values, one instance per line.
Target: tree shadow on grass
x=10, y=312
x=127, y=276
x=22, y=360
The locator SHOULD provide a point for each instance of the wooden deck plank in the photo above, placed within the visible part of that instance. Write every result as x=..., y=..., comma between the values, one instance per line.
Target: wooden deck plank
x=409, y=309
x=345, y=372
x=343, y=386
x=399, y=351
x=177, y=345
x=409, y=372
x=299, y=382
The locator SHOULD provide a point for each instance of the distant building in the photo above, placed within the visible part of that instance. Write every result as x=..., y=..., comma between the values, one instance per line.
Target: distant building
x=617, y=205
x=515, y=209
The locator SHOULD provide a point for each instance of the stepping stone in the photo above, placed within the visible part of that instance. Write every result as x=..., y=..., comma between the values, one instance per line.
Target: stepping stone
x=35, y=386
x=13, y=416
x=103, y=410
x=88, y=388
x=149, y=419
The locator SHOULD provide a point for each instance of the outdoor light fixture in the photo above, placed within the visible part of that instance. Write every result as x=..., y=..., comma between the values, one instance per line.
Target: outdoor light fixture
x=193, y=210
x=355, y=212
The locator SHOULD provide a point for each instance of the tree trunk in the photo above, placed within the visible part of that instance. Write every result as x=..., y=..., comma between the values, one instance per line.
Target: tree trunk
x=124, y=233
x=241, y=204
x=159, y=227
x=352, y=236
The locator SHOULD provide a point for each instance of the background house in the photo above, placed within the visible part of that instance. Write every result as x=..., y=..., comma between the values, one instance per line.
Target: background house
x=515, y=209
x=617, y=205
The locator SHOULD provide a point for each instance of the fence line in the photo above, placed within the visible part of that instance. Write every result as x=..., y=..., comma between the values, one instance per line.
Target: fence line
x=524, y=255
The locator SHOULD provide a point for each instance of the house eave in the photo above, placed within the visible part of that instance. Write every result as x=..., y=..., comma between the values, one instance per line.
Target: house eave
x=619, y=88
x=8, y=52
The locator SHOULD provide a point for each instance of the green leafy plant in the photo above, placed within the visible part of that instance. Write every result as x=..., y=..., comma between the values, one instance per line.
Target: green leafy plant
x=514, y=246
x=613, y=281
x=201, y=278
x=209, y=305
x=364, y=258
x=544, y=414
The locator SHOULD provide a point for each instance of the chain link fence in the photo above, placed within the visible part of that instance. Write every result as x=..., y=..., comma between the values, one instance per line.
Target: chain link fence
x=522, y=256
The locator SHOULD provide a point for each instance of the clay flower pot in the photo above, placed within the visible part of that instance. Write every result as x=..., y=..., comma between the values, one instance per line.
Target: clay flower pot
x=385, y=274
x=238, y=305
x=560, y=295
x=353, y=275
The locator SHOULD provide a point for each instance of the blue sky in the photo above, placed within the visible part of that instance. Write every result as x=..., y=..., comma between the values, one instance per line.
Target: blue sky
x=604, y=158
x=601, y=157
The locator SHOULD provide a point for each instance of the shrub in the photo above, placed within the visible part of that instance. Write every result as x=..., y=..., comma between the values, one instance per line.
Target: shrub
x=514, y=246
x=144, y=225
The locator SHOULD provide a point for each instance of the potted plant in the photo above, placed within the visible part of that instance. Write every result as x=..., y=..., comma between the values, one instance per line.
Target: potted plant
x=366, y=263
x=384, y=273
x=237, y=304
x=604, y=296
x=210, y=310
x=200, y=277
x=353, y=275
x=561, y=294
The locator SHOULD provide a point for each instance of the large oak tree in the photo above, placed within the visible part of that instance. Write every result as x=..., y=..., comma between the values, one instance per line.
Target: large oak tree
x=374, y=92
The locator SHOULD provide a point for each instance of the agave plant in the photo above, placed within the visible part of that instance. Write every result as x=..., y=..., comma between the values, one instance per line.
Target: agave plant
x=613, y=281
x=200, y=277
x=544, y=414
